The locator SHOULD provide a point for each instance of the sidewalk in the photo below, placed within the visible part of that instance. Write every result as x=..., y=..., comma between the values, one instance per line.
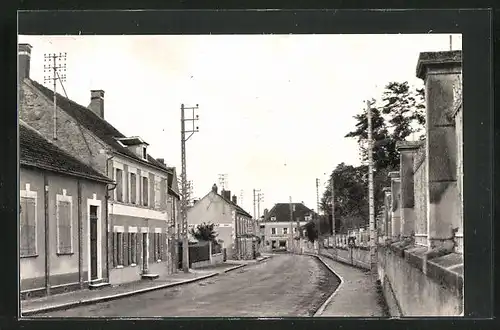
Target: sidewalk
x=356, y=296
x=75, y=298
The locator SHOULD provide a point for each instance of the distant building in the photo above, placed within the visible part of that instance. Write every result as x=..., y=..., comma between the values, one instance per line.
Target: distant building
x=234, y=226
x=62, y=219
x=280, y=228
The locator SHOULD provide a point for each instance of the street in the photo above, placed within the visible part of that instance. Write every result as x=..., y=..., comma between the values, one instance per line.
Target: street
x=284, y=285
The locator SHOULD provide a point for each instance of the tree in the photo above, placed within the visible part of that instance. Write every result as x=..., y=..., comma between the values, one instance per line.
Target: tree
x=311, y=231
x=351, y=196
x=205, y=232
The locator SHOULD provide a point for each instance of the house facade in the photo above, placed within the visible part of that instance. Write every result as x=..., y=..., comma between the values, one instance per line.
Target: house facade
x=142, y=207
x=280, y=228
x=235, y=227
x=62, y=219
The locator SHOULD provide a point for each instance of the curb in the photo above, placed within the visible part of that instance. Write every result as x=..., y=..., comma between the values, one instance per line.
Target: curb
x=322, y=308
x=115, y=296
x=232, y=268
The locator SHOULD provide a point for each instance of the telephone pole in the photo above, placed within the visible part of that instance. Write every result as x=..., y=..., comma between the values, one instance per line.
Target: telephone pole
x=260, y=198
x=53, y=67
x=185, y=243
x=373, y=252
x=332, y=188
x=291, y=223
x=223, y=181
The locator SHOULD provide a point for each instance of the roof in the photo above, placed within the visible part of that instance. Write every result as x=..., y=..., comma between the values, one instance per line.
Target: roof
x=172, y=181
x=282, y=212
x=36, y=151
x=238, y=208
x=97, y=125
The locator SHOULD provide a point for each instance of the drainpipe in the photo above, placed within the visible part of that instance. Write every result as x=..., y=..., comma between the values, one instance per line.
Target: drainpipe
x=80, y=229
x=47, y=233
x=107, y=214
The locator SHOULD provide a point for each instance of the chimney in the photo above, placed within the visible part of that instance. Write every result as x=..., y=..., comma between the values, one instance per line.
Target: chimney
x=235, y=199
x=214, y=188
x=266, y=211
x=97, y=102
x=226, y=194
x=24, y=56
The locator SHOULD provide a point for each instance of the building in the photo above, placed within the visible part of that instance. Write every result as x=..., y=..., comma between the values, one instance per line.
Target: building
x=62, y=219
x=280, y=228
x=235, y=226
x=143, y=206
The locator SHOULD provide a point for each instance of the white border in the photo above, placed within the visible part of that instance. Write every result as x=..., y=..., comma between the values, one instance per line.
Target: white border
x=33, y=195
x=158, y=230
x=69, y=199
x=98, y=203
x=132, y=229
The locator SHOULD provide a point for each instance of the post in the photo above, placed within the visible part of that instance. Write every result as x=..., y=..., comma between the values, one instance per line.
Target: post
x=373, y=255
x=291, y=222
x=53, y=68
x=332, y=186
x=184, y=187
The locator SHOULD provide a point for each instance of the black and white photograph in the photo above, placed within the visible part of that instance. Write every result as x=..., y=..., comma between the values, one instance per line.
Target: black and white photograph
x=257, y=175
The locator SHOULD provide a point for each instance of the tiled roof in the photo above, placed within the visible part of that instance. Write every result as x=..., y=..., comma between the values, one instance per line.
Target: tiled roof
x=282, y=212
x=36, y=151
x=100, y=127
x=236, y=206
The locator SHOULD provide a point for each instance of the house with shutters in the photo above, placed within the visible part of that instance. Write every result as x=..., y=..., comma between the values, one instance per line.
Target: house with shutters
x=142, y=207
x=280, y=224
x=62, y=219
x=235, y=227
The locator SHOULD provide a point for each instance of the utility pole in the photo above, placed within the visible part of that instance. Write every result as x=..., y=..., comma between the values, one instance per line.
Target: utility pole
x=291, y=223
x=185, y=243
x=373, y=252
x=319, y=217
x=53, y=67
x=223, y=181
x=260, y=198
x=317, y=194
x=332, y=188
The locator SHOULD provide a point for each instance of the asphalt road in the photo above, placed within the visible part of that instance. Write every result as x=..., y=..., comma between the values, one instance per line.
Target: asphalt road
x=285, y=285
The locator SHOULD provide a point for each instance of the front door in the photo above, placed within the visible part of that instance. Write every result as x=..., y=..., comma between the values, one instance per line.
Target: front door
x=144, y=252
x=93, y=242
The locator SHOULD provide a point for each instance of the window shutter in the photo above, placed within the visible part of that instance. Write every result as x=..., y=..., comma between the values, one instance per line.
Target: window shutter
x=64, y=227
x=115, y=249
x=162, y=247
x=125, y=249
x=24, y=228
x=31, y=220
x=151, y=238
x=110, y=250
x=139, y=248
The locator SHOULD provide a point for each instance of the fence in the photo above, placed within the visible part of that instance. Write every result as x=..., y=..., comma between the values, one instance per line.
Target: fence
x=199, y=251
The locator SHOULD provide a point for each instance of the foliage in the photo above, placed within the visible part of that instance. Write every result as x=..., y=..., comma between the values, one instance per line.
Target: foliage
x=400, y=113
x=311, y=231
x=205, y=232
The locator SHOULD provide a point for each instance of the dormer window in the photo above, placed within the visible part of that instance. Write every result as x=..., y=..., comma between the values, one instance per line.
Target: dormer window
x=136, y=145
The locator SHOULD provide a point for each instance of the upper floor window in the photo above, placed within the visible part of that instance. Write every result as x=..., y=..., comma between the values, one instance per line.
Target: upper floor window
x=273, y=231
x=144, y=153
x=145, y=190
x=285, y=231
x=119, y=184
x=133, y=188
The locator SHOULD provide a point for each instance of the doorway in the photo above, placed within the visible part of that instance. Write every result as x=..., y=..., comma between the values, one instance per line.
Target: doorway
x=93, y=243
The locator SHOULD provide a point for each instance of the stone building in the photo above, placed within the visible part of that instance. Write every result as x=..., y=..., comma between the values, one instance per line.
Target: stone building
x=235, y=227
x=62, y=219
x=421, y=264
x=143, y=206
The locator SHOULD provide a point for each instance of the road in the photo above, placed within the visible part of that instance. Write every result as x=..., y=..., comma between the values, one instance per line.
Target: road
x=284, y=285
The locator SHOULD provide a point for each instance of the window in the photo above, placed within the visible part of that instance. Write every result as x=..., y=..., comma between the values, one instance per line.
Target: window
x=157, y=246
x=133, y=248
x=285, y=231
x=118, y=249
x=119, y=185
x=295, y=230
x=157, y=192
x=133, y=188
x=144, y=153
x=28, y=227
x=145, y=195
x=273, y=231
x=64, y=227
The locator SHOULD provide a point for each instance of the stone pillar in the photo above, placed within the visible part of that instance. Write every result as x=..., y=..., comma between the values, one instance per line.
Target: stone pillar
x=441, y=71
x=395, y=205
x=387, y=211
x=407, y=150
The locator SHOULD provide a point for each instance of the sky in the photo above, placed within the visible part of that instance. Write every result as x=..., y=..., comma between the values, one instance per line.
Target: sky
x=273, y=109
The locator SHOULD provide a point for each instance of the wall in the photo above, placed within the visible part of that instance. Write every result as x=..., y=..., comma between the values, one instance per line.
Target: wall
x=437, y=291
x=37, y=111
x=70, y=271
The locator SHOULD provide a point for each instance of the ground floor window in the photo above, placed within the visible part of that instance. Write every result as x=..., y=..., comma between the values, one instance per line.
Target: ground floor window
x=118, y=249
x=282, y=244
x=133, y=248
x=157, y=246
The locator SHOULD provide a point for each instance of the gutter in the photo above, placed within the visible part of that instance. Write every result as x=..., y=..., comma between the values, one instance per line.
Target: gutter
x=106, y=206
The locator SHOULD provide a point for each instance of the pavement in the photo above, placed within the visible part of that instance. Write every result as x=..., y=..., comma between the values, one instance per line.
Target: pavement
x=85, y=297
x=285, y=285
x=356, y=296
